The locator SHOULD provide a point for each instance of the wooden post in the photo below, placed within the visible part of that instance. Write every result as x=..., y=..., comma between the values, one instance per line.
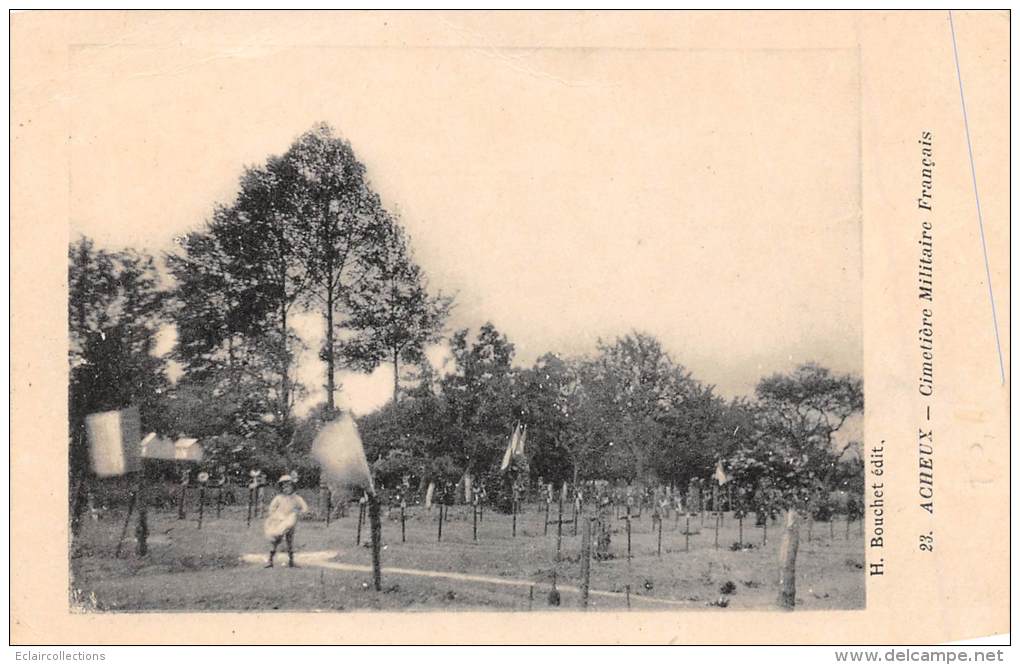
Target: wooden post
x=78, y=507
x=142, y=528
x=810, y=523
x=717, y=530
x=659, y=551
x=127, y=519
x=559, y=528
x=831, y=529
x=439, y=536
x=788, y=562
x=251, y=498
x=403, y=531
x=513, y=509
x=545, y=529
x=628, y=547
x=575, y=516
x=474, y=522
x=628, y=586
x=201, y=504
x=687, y=534
x=376, y=528
x=180, y=502
x=329, y=505
x=765, y=532
x=531, y=597
x=361, y=520
x=585, y=563
x=740, y=532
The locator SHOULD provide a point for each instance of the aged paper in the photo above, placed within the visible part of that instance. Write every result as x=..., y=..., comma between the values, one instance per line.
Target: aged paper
x=737, y=183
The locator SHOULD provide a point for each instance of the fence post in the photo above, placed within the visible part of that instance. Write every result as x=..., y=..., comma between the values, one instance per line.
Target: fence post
x=361, y=520
x=180, y=503
x=628, y=545
x=127, y=519
x=375, y=528
x=201, y=504
x=142, y=528
x=585, y=563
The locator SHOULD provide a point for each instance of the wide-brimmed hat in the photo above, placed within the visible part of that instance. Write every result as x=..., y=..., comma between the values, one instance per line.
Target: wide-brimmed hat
x=285, y=478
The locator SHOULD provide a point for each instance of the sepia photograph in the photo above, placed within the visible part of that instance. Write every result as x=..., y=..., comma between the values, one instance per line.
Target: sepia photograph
x=545, y=333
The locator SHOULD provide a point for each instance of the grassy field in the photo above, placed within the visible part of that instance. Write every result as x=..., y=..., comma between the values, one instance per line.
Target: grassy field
x=191, y=570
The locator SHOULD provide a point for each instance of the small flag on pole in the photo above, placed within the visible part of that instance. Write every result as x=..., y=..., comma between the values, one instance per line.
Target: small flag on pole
x=511, y=448
x=340, y=453
x=720, y=475
x=115, y=439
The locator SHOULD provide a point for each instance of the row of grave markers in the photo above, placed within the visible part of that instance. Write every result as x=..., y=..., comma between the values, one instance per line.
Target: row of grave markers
x=256, y=507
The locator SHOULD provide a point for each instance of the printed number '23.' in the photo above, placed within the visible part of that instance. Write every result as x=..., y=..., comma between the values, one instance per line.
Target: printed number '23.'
x=926, y=542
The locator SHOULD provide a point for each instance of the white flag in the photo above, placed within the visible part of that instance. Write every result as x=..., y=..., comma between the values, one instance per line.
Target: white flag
x=519, y=450
x=511, y=447
x=340, y=454
x=115, y=439
x=720, y=475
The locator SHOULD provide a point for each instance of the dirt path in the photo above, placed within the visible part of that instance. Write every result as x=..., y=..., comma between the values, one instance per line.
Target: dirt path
x=322, y=560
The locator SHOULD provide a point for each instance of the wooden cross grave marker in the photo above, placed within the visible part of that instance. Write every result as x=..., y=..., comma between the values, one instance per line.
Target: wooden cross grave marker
x=627, y=517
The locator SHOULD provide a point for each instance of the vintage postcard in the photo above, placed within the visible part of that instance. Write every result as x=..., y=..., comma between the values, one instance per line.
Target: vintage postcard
x=509, y=327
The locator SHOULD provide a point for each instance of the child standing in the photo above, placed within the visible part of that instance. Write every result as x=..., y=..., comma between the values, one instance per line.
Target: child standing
x=282, y=519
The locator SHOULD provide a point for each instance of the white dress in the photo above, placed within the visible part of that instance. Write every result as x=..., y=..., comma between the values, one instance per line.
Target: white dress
x=283, y=514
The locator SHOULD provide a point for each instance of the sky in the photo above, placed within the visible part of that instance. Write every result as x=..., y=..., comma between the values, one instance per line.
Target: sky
x=709, y=197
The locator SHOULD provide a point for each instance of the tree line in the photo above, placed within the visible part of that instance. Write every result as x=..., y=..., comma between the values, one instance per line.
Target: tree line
x=307, y=233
